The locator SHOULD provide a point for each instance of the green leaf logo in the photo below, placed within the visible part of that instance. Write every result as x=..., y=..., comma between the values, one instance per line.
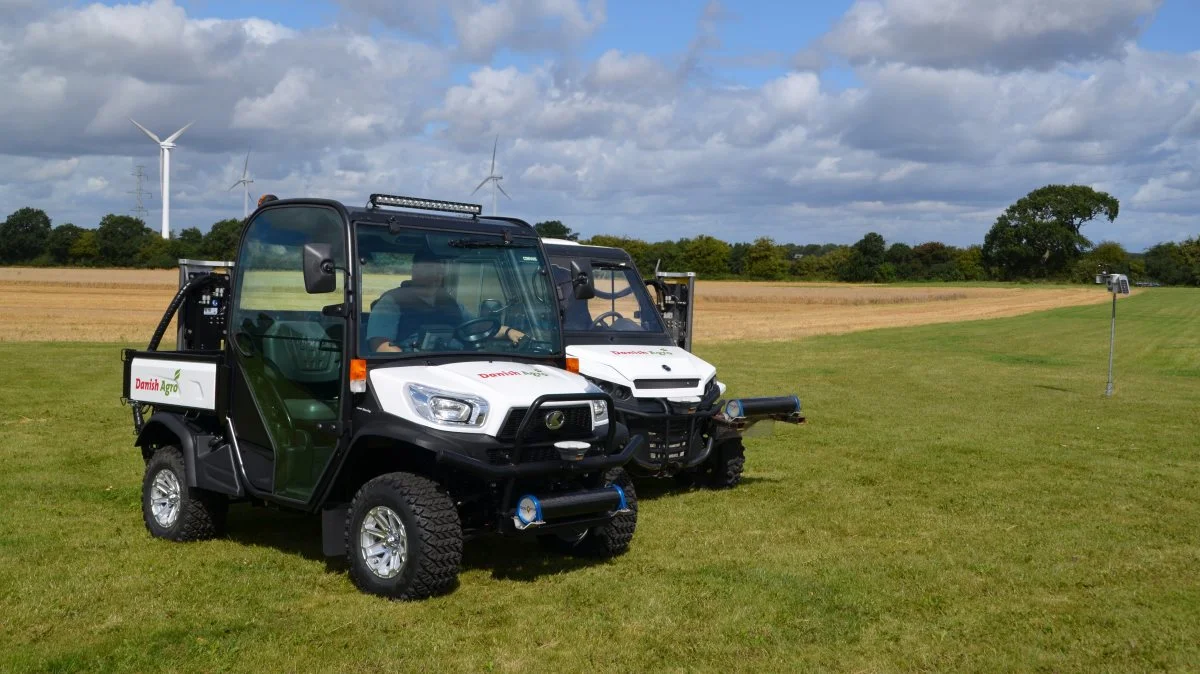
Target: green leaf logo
x=176, y=375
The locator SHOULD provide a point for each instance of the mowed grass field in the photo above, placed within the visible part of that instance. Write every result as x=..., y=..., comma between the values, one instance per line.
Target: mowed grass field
x=84, y=305
x=963, y=498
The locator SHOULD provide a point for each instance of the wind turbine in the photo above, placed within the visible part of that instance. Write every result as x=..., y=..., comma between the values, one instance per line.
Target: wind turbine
x=164, y=171
x=245, y=181
x=493, y=178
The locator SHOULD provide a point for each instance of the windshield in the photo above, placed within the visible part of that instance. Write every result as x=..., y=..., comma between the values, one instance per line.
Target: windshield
x=437, y=292
x=621, y=302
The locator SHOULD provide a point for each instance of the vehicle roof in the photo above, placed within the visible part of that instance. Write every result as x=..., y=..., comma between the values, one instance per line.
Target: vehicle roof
x=387, y=215
x=576, y=249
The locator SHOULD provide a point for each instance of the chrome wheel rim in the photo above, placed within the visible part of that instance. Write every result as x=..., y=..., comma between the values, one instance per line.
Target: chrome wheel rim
x=165, y=498
x=383, y=542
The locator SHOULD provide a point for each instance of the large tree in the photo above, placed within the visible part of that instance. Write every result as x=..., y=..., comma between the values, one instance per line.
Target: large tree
x=866, y=256
x=1040, y=235
x=23, y=235
x=59, y=243
x=220, y=243
x=119, y=238
x=706, y=255
x=555, y=229
x=764, y=260
x=1175, y=263
x=189, y=244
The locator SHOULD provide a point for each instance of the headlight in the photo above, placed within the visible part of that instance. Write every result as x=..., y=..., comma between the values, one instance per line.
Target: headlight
x=447, y=408
x=599, y=407
x=599, y=412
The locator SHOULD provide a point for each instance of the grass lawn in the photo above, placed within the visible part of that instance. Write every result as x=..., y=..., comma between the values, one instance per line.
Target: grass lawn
x=963, y=498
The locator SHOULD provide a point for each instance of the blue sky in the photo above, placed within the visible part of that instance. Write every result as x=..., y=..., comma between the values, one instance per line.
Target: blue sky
x=806, y=121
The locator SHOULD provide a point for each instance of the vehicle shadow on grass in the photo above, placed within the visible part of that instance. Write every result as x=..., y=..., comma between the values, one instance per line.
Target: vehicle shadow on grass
x=300, y=534
x=652, y=489
x=293, y=533
x=522, y=560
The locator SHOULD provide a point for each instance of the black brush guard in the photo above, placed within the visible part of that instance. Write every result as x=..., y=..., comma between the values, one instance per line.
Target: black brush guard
x=706, y=419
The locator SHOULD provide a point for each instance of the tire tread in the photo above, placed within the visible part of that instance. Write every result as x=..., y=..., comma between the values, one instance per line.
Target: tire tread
x=439, y=533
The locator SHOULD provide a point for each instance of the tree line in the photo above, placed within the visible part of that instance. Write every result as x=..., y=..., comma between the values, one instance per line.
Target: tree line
x=1039, y=237
x=26, y=237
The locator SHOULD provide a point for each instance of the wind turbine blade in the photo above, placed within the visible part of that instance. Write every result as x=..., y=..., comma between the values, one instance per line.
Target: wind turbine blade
x=234, y=185
x=481, y=185
x=171, y=138
x=494, y=144
x=502, y=190
x=146, y=131
x=246, y=167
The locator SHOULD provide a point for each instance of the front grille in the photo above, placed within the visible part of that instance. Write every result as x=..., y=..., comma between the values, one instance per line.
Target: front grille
x=669, y=441
x=665, y=383
x=577, y=424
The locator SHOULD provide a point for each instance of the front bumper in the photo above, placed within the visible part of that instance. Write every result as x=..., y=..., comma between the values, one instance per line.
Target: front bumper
x=678, y=440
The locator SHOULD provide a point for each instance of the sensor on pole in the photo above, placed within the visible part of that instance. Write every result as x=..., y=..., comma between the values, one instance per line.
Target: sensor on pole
x=1118, y=284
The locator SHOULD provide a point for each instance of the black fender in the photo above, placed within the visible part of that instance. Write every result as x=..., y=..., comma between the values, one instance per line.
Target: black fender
x=207, y=461
x=169, y=428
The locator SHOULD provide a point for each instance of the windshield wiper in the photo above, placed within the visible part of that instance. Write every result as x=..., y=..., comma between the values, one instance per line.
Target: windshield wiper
x=487, y=243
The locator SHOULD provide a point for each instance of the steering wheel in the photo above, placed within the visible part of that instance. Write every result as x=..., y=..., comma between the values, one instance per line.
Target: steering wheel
x=599, y=322
x=477, y=330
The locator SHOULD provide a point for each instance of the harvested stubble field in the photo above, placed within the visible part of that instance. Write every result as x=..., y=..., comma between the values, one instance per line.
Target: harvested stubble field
x=89, y=305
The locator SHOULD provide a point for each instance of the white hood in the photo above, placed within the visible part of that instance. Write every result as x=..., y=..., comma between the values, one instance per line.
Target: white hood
x=504, y=385
x=625, y=365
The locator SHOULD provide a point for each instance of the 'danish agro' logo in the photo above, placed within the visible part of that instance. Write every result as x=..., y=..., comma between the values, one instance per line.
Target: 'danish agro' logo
x=513, y=373
x=163, y=386
x=662, y=351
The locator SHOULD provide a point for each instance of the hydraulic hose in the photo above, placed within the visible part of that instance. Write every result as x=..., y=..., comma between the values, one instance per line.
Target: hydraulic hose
x=172, y=308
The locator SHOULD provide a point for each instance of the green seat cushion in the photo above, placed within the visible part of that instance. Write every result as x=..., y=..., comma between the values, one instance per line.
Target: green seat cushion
x=309, y=410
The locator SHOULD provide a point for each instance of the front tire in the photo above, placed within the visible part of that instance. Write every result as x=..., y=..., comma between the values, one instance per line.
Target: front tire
x=403, y=538
x=173, y=510
x=727, y=464
x=604, y=540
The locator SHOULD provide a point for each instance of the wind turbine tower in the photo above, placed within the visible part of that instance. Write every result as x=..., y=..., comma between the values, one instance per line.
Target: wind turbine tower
x=164, y=171
x=493, y=178
x=245, y=183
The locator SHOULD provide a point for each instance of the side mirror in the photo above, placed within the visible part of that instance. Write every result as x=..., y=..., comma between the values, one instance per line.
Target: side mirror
x=581, y=280
x=318, y=268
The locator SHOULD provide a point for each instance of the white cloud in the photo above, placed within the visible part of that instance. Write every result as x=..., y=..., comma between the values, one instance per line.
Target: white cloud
x=925, y=146
x=1008, y=35
x=482, y=28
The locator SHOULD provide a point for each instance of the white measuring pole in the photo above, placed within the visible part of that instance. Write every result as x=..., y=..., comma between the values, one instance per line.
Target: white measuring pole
x=1112, y=341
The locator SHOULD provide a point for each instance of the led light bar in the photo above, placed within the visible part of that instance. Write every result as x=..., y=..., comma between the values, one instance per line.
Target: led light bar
x=378, y=200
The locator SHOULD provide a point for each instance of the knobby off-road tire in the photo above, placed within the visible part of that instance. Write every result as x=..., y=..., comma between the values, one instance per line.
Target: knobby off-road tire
x=173, y=510
x=432, y=535
x=604, y=540
x=726, y=464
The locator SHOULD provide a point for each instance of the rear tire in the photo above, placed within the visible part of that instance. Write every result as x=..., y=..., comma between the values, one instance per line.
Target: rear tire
x=173, y=510
x=727, y=463
x=403, y=538
x=607, y=540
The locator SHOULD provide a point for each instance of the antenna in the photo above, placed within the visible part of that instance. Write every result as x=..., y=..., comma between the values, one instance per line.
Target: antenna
x=139, y=208
x=493, y=178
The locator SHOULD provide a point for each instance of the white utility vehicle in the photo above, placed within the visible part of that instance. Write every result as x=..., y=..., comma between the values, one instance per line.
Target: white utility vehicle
x=400, y=371
x=638, y=350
